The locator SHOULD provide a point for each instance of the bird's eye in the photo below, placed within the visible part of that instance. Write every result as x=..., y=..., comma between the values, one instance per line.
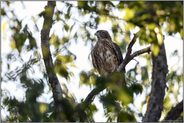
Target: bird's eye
x=102, y=33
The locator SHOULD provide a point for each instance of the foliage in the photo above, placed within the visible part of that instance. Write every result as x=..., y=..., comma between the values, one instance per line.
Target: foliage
x=151, y=18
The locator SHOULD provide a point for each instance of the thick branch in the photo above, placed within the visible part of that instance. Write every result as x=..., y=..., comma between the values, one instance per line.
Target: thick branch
x=175, y=112
x=81, y=107
x=89, y=99
x=158, y=85
x=47, y=24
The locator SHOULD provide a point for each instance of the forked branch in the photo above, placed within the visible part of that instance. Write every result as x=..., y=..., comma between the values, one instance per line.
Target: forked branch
x=130, y=56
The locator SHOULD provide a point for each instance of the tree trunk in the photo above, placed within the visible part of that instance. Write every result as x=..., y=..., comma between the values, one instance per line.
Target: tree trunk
x=158, y=85
x=47, y=57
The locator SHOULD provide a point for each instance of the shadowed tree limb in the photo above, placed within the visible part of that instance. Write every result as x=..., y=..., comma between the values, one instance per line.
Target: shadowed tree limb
x=175, y=112
x=53, y=80
x=158, y=85
x=89, y=99
x=81, y=107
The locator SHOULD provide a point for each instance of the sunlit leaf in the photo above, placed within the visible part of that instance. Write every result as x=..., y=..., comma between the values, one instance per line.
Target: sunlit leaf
x=167, y=102
x=64, y=58
x=159, y=35
x=53, y=39
x=151, y=26
x=125, y=96
x=12, y=44
x=160, y=38
x=84, y=77
x=129, y=14
x=43, y=107
x=103, y=19
x=92, y=80
x=4, y=26
x=155, y=49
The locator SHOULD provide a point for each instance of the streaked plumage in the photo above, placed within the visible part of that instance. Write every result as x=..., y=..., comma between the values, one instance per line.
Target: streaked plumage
x=106, y=55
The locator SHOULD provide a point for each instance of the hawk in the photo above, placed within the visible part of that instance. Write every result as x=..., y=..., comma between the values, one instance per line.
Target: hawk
x=106, y=55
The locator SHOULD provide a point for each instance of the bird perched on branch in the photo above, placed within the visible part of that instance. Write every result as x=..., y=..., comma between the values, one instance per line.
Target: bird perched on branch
x=106, y=55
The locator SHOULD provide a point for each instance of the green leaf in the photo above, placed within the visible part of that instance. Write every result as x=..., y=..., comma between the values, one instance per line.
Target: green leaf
x=125, y=96
x=67, y=27
x=129, y=14
x=155, y=49
x=136, y=88
x=43, y=107
x=126, y=117
x=144, y=73
x=84, y=78
x=19, y=39
x=167, y=102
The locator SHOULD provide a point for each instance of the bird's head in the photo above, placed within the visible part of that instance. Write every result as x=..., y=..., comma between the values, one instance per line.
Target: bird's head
x=102, y=34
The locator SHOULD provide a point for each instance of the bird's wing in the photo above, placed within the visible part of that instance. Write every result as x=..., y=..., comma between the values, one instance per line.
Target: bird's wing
x=114, y=48
x=118, y=52
x=94, y=55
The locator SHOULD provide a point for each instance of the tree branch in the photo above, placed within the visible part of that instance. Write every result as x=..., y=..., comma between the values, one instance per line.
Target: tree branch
x=129, y=51
x=89, y=99
x=175, y=112
x=129, y=57
x=81, y=107
x=142, y=51
x=47, y=24
x=158, y=85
